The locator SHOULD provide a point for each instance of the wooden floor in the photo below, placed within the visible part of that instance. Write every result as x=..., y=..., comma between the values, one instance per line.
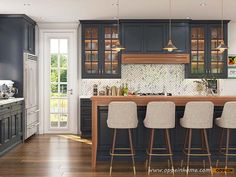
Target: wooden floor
x=67, y=156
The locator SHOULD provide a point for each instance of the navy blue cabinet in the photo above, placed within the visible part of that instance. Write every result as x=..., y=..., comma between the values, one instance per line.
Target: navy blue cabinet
x=154, y=38
x=11, y=125
x=205, y=60
x=132, y=38
x=85, y=117
x=98, y=58
x=151, y=36
x=180, y=37
x=17, y=36
x=29, y=37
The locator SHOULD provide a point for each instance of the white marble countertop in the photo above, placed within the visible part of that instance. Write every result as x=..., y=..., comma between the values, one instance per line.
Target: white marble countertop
x=85, y=96
x=10, y=100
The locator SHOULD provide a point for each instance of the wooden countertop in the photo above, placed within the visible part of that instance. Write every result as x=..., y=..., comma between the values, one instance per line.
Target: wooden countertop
x=178, y=100
x=142, y=101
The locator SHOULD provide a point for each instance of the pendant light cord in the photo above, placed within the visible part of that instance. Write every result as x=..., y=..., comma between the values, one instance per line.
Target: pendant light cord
x=170, y=16
x=118, y=17
x=222, y=15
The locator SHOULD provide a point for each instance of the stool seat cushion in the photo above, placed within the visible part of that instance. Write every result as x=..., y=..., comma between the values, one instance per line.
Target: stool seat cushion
x=228, y=117
x=160, y=115
x=198, y=115
x=122, y=115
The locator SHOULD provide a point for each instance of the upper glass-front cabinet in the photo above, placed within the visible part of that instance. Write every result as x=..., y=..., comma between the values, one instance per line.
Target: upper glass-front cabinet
x=206, y=61
x=99, y=60
x=91, y=43
x=198, y=48
x=217, y=62
x=111, y=63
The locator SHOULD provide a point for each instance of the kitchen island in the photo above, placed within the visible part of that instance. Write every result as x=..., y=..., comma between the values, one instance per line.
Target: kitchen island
x=101, y=135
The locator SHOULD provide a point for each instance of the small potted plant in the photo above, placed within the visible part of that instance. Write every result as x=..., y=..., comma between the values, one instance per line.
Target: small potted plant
x=207, y=84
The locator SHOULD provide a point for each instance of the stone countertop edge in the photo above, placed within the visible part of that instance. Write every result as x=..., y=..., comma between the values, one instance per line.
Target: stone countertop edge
x=10, y=100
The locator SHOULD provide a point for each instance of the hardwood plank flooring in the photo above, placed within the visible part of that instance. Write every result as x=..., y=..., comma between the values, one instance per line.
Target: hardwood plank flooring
x=69, y=156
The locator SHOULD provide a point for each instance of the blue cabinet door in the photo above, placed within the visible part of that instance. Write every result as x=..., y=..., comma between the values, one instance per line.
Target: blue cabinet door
x=132, y=37
x=154, y=38
x=180, y=37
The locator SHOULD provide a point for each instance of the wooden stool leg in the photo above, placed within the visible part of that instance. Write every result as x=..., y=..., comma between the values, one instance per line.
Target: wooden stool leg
x=132, y=150
x=227, y=148
x=202, y=140
x=221, y=139
x=169, y=149
x=208, y=149
x=186, y=138
x=150, y=150
x=113, y=149
x=189, y=148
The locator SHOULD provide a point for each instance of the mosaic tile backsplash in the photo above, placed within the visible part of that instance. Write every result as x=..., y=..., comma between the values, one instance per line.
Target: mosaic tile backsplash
x=149, y=78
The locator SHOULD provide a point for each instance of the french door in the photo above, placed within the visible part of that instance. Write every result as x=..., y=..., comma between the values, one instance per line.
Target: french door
x=60, y=84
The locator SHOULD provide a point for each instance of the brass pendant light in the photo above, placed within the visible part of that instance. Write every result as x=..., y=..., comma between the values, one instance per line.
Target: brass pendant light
x=222, y=47
x=170, y=46
x=118, y=47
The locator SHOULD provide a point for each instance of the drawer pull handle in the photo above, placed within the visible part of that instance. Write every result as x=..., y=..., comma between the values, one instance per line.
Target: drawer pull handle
x=36, y=111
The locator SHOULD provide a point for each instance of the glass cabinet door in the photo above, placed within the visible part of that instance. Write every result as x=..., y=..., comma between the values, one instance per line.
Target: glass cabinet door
x=111, y=58
x=91, y=49
x=198, y=41
x=217, y=60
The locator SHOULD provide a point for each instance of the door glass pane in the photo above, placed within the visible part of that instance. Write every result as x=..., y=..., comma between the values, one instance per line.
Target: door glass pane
x=54, y=61
x=59, y=82
x=63, y=61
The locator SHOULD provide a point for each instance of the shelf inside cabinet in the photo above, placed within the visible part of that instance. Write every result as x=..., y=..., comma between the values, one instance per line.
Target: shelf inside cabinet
x=198, y=40
x=198, y=62
x=91, y=51
x=197, y=51
x=113, y=39
x=91, y=40
x=96, y=62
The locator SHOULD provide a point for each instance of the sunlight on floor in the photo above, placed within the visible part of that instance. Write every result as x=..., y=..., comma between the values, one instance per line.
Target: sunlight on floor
x=76, y=138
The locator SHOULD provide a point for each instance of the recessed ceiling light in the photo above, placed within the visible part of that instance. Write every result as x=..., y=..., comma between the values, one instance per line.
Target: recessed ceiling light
x=27, y=4
x=203, y=4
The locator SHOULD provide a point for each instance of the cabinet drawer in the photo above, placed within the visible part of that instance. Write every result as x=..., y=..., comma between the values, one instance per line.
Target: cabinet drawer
x=32, y=129
x=5, y=109
x=31, y=116
x=17, y=106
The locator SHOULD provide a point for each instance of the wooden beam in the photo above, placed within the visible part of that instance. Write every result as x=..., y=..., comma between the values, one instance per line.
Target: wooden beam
x=155, y=58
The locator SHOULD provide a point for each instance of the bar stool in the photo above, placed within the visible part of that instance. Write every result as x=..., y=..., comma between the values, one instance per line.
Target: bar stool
x=227, y=121
x=197, y=115
x=122, y=115
x=159, y=115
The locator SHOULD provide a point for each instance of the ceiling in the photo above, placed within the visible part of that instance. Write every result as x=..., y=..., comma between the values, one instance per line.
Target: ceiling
x=74, y=10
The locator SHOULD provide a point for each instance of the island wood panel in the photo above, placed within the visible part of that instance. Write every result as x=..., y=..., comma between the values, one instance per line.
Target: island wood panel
x=143, y=101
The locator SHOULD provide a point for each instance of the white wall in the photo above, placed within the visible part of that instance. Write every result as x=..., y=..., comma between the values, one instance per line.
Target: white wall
x=228, y=86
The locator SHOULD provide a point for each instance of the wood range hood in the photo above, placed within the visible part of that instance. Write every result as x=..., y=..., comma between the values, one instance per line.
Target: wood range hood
x=155, y=58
